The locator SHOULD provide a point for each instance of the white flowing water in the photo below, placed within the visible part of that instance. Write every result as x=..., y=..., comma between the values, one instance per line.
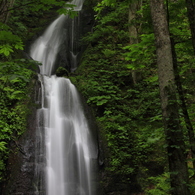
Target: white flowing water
x=66, y=148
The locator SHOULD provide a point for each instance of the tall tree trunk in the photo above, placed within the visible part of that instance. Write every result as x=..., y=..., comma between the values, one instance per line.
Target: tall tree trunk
x=183, y=104
x=134, y=29
x=173, y=132
x=190, y=4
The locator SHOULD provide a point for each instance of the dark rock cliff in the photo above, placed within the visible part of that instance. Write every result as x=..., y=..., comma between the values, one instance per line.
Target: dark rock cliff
x=21, y=161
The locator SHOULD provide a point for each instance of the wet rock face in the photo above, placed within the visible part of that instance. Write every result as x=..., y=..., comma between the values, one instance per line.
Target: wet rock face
x=72, y=48
x=21, y=162
x=21, y=165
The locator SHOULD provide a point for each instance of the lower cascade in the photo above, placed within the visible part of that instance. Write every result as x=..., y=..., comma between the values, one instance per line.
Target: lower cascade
x=66, y=151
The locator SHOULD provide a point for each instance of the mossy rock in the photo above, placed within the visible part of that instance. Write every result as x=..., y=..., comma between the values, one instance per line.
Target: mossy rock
x=61, y=71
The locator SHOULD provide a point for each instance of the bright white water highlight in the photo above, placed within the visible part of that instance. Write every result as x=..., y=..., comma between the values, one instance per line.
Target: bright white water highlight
x=46, y=48
x=69, y=147
x=64, y=138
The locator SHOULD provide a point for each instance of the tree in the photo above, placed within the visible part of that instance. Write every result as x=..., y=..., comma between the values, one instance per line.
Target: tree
x=134, y=28
x=183, y=106
x=5, y=6
x=183, y=103
x=173, y=131
x=190, y=4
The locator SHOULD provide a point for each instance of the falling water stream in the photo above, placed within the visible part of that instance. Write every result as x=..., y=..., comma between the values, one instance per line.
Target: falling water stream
x=65, y=149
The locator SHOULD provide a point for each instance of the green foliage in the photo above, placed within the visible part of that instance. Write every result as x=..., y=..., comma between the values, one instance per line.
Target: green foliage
x=112, y=27
x=61, y=71
x=62, y=7
x=141, y=54
x=161, y=185
x=192, y=183
x=122, y=109
x=129, y=112
x=8, y=41
x=15, y=77
x=101, y=6
x=16, y=31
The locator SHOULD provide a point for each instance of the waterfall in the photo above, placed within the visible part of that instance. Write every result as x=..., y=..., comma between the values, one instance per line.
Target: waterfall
x=65, y=148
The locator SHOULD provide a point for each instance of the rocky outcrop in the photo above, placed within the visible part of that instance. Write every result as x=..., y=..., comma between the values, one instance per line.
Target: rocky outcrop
x=21, y=161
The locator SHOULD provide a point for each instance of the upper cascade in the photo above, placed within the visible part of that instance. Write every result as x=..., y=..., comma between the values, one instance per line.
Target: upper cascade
x=79, y=4
x=46, y=48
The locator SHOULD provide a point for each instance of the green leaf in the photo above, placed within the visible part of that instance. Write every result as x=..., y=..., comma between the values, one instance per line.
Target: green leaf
x=17, y=95
x=19, y=45
x=6, y=49
x=2, y=146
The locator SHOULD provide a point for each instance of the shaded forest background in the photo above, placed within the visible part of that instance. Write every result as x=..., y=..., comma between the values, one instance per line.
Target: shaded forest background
x=118, y=76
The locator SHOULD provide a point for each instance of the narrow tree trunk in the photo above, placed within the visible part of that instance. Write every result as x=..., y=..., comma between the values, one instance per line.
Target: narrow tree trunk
x=134, y=30
x=190, y=4
x=10, y=5
x=173, y=132
x=133, y=27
